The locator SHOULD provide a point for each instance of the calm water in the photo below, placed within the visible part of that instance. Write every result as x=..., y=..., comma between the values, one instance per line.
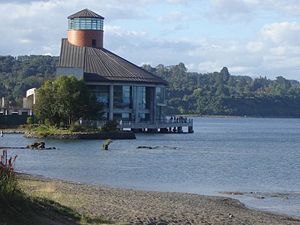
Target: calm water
x=224, y=154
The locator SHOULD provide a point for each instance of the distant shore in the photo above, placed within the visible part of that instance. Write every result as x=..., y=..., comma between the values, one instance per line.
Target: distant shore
x=126, y=206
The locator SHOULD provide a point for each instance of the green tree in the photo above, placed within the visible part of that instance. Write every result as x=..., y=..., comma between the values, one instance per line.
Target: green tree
x=66, y=100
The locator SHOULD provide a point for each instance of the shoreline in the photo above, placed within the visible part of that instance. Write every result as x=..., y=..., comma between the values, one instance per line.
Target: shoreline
x=131, y=206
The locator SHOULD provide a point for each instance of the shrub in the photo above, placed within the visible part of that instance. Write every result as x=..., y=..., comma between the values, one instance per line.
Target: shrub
x=8, y=180
x=110, y=125
x=76, y=128
x=29, y=120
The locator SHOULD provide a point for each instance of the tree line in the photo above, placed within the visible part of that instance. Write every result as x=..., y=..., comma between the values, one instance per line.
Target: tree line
x=217, y=93
x=220, y=93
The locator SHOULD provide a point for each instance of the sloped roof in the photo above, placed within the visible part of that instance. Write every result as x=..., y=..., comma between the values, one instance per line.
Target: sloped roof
x=103, y=65
x=85, y=13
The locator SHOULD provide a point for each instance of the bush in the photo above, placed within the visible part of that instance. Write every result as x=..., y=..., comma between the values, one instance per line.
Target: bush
x=8, y=180
x=29, y=120
x=76, y=128
x=110, y=125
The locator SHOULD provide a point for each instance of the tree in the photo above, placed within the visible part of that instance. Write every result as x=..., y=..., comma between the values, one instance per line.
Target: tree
x=66, y=100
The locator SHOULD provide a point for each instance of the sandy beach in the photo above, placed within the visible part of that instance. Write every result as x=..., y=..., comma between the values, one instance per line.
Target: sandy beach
x=125, y=206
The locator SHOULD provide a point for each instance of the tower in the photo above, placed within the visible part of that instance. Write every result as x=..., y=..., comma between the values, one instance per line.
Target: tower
x=85, y=29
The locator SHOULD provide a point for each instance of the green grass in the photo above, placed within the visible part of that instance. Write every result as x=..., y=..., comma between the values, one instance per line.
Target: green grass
x=46, y=130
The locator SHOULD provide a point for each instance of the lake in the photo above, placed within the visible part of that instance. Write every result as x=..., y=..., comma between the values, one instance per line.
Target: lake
x=255, y=155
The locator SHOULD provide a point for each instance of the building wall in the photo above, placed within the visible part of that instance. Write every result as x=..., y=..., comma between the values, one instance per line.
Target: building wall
x=84, y=38
x=68, y=71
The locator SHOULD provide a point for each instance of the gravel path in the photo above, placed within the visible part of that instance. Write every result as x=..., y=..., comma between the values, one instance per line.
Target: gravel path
x=126, y=206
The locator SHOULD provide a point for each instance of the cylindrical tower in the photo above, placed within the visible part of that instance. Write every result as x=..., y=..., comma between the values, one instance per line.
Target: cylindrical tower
x=86, y=29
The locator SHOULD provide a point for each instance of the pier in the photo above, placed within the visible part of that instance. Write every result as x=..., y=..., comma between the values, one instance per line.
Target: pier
x=178, y=125
x=165, y=126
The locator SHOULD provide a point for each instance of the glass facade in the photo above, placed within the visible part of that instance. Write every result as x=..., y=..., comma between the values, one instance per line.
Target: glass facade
x=101, y=93
x=85, y=24
x=122, y=96
x=141, y=98
x=160, y=95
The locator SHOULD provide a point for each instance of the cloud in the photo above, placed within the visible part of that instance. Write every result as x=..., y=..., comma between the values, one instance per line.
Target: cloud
x=234, y=10
x=136, y=33
x=177, y=1
x=173, y=17
x=284, y=33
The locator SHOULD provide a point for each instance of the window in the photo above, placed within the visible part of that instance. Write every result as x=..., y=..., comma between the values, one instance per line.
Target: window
x=122, y=96
x=101, y=93
x=160, y=95
x=141, y=98
x=85, y=24
x=94, y=43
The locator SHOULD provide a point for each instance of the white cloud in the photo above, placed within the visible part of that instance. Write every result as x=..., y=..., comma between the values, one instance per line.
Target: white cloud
x=36, y=27
x=282, y=33
x=173, y=17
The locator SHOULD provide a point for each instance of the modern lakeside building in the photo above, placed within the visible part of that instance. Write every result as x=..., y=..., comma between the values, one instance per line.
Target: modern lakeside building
x=129, y=93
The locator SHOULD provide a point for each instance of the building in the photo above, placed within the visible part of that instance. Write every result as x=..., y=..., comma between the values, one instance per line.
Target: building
x=128, y=92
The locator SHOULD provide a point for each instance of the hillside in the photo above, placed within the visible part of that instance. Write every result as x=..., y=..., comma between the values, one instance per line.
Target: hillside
x=217, y=93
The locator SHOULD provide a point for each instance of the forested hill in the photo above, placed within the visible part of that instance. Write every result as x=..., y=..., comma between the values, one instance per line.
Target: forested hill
x=217, y=93
x=18, y=74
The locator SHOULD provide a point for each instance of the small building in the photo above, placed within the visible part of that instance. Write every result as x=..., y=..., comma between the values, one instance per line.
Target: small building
x=128, y=92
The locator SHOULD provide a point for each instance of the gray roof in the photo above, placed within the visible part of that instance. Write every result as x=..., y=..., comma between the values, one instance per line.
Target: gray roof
x=103, y=65
x=85, y=13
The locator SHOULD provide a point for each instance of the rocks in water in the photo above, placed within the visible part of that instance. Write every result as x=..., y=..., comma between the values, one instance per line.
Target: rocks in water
x=38, y=145
x=148, y=147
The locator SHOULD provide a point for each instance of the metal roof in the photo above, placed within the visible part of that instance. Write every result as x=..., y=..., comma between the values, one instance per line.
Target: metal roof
x=103, y=65
x=85, y=13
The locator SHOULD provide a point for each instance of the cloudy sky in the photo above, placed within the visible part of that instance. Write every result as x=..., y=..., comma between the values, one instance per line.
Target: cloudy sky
x=250, y=37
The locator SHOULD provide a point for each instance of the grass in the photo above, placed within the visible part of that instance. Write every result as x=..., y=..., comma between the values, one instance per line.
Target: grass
x=20, y=208
x=46, y=130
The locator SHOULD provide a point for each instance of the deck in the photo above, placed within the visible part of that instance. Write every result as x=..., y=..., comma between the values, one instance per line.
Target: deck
x=165, y=126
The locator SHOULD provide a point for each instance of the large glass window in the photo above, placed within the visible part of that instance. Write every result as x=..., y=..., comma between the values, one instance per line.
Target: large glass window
x=141, y=98
x=85, y=24
x=122, y=96
x=160, y=95
x=101, y=93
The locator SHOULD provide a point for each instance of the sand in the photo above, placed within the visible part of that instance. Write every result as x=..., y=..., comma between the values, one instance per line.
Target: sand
x=125, y=206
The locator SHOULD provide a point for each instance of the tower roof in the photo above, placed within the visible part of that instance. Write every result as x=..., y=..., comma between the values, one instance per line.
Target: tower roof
x=85, y=13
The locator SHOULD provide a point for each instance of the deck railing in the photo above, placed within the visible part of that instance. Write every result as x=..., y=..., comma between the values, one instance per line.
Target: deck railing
x=166, y=123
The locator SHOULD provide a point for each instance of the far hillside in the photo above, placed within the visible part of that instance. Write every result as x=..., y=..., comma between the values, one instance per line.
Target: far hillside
x=217, y=93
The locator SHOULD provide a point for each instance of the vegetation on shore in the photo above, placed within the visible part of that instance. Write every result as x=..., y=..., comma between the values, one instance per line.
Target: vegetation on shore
x=18, y=208
x=45, y=129
x=220, y=93
x=217, y=93
x=64, y=101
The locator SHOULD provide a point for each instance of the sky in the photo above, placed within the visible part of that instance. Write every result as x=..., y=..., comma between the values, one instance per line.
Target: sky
x=250, y=37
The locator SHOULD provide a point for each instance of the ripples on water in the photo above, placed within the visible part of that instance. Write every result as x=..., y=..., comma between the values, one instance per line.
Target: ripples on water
x=224, y=154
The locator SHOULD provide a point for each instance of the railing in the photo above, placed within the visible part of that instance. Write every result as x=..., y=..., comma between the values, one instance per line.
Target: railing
x=156, y=124
x=166, y=123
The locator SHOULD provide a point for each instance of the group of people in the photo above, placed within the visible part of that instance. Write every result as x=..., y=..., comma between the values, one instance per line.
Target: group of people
x=179, y=119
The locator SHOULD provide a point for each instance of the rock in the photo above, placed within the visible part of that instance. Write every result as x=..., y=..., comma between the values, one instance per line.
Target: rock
x=37, y=145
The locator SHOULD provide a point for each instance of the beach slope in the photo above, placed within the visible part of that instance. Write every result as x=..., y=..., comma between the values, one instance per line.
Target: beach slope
x=124, y=206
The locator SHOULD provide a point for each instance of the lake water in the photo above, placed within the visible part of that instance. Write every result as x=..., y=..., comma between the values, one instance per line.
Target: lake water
x=224, y=154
